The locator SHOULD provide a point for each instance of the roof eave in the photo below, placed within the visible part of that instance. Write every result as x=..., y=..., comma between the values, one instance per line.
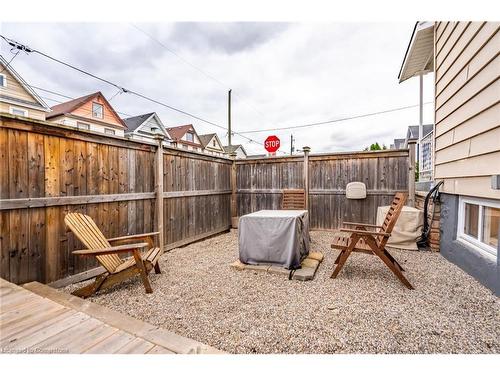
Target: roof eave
x=419, y=56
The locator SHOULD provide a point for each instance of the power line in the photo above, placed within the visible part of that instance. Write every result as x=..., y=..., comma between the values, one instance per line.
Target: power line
x=28, y=49
x=10, y=61
x=23, y=47
x=335, y=120
x=67, y=97
x=198, y=69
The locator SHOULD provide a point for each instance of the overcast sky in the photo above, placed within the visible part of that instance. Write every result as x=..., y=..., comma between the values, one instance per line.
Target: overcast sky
x=282, y=74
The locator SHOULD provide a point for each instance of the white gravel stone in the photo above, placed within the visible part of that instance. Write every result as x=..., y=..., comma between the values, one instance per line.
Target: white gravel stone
x=364, y=310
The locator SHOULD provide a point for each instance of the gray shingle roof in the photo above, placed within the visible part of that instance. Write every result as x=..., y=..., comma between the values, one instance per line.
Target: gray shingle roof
x=136, y=121
x=413, y=131
x=205, y=138
x=228, y=149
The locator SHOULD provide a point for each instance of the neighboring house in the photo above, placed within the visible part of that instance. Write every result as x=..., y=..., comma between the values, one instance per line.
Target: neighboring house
x=212, y=144
x=399, y=143
x=238, y=149
x=467, y=144
x=144, y=127
x=185, y=137
x=17, y=97
x=91, y=112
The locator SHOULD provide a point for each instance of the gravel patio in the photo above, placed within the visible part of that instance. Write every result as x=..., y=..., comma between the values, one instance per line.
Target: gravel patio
x=365, y=310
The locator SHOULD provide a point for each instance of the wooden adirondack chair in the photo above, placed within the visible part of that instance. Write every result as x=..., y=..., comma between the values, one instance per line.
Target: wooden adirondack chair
x=106, y=252
x=293, y=199
x=372, y=241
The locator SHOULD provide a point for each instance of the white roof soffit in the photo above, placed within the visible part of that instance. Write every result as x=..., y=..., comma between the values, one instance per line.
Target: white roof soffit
x=419, y=57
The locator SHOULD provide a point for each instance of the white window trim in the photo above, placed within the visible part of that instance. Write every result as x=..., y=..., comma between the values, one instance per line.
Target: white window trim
x=11, y=111
x=469, y=240
x=99, y=117
x=109, y=131
x=80, y=123
x=4, y=80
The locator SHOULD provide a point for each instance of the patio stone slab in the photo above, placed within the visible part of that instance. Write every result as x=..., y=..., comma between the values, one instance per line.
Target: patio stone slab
x=309, y=267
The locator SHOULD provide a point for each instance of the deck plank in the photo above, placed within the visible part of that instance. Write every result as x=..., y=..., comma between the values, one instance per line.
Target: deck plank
x=30, y=326
x=111, y=344
x=48, y=331
x=40, y=319
x=137, y=346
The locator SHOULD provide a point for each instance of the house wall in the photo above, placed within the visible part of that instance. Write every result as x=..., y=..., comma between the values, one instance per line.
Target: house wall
x=214, y=150
x=32, y=113
x=86, y=111
x=95, y=127
x=467, y=107
x=482, y=267
x=16, y=91
x=467, y=131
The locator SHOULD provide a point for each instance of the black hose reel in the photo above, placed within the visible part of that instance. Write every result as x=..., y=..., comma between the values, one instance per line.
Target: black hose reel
x=423, y=240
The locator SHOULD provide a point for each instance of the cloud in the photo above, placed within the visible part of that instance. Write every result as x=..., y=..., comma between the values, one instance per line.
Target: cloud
x=282, y=74
x=224, y=37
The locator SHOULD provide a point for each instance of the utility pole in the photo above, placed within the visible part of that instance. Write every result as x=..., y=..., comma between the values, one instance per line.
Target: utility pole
x=292, y=149
x=229, y=118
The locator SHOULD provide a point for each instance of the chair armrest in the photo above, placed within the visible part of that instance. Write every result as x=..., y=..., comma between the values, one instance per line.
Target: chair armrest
x=133, y=237
x=358, y=231
x=362, y=224
x=147, y=237
x=112, y=249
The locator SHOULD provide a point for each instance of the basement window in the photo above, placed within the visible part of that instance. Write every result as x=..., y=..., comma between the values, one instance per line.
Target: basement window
x=82, y=125
x=97, y=110
x=18, y=111
x=479, y=223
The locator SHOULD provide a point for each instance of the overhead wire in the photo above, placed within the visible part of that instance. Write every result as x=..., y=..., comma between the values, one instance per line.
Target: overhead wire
x=123, y=89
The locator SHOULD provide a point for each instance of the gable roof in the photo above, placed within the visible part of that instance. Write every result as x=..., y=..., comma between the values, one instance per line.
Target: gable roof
x=134, y=122
x=232, y=148
x=206, y=138
x=7, y=66
x=70, y=106
x=413, y=131
x=177, y=132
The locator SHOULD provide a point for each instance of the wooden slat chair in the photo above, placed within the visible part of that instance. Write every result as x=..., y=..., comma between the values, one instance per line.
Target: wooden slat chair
x=371, y=241
x=106, y=252
x=293, y=199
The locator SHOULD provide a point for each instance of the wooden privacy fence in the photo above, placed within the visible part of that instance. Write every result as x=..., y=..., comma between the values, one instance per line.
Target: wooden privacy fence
x=131, y=187
x=259, y=183
x=48, y=171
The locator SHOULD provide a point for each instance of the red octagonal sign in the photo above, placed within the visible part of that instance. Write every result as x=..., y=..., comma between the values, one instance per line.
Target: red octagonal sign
x=272, y=143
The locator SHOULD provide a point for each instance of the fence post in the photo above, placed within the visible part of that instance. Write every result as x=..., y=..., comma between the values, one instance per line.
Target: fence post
x=306, y=150
x=159, y=189
x=411, y=173
x=234, y=204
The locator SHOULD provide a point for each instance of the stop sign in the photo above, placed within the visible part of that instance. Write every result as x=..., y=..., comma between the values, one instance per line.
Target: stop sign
x=272, y=143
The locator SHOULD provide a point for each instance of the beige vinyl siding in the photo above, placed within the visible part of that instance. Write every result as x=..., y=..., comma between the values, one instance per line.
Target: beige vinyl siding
x=467, y=97
x=470, y=43
x=32, y=113
x=15, y=90
x=483, y=122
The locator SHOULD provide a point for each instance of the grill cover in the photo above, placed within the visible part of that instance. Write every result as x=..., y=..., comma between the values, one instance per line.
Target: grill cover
x=275, y=237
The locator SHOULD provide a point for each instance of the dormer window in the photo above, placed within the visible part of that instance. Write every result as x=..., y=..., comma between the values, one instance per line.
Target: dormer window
x=97, y=110
x=189, y=137
x=214, y=144
x=3, y=80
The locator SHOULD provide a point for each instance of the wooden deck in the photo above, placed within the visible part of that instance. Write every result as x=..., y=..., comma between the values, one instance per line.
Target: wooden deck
x=39, y=319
